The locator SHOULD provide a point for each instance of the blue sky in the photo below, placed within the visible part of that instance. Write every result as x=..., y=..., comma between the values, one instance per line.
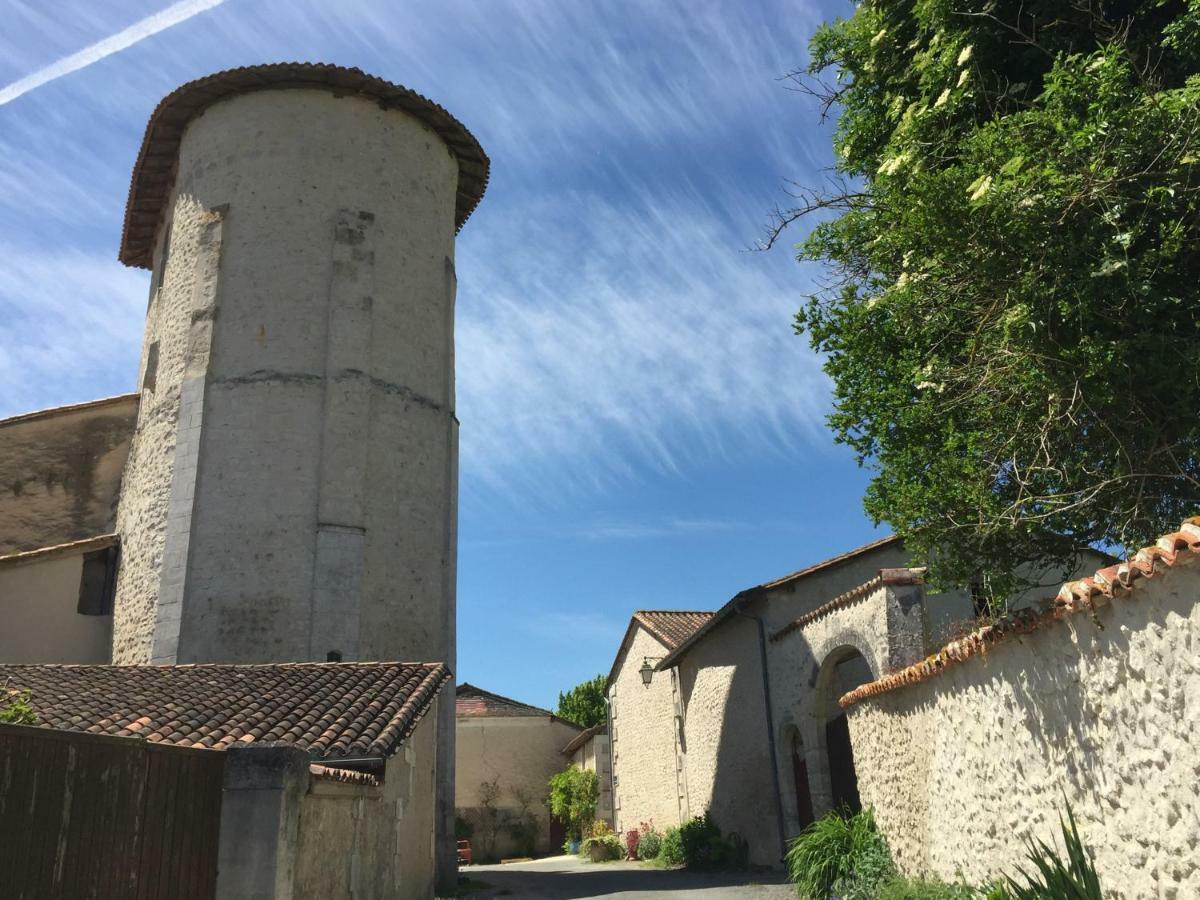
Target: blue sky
x=640, y=427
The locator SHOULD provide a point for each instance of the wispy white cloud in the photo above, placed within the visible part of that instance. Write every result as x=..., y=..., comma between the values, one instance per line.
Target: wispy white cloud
x=70, y=327
x=610, y=324
x=595, y=338
x=123, y=39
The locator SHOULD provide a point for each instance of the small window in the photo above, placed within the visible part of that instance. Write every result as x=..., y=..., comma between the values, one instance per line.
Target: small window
x=98, y=582
x=150, y=378
x=158, y=276
x=164, y=258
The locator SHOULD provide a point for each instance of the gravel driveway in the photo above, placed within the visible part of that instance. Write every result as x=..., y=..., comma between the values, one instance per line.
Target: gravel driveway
x=569, y=878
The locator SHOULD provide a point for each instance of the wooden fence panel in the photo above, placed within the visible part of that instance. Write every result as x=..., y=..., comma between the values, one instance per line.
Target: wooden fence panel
x=92, y=817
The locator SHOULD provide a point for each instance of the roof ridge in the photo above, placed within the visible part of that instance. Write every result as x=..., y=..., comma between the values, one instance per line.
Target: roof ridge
x=501, y=697
x=833, y=560
x=306, y=664
x=70, y=407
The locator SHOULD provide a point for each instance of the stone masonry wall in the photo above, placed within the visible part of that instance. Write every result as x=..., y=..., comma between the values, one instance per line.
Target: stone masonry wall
x=370, y=841
x=60, y=470
x=168, y=354
x=519, y=754
x=643, y=740
x=727, y=762
x=1100, y=713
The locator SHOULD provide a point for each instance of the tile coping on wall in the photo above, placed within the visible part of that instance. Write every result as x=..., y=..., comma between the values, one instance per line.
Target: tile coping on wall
x=885, y=578
x=1171, y=550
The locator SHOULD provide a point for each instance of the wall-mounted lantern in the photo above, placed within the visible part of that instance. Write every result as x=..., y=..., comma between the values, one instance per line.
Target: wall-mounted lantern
x=647, y=670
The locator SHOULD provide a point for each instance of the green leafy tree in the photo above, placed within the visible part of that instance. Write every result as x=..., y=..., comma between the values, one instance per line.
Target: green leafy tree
x=1012, y=237
x=573, y=795
x=584, y=704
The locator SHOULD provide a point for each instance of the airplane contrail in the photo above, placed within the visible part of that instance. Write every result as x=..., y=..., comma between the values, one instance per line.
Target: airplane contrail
x=138, y=31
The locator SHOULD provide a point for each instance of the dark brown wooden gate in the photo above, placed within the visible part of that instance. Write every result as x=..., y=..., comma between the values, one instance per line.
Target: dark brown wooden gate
x=91, y=816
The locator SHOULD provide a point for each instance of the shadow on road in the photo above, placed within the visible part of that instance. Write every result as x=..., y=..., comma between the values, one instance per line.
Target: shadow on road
x=564, y=878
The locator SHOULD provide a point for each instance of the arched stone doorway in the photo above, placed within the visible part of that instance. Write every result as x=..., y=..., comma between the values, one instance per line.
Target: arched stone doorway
x=793, y=759
x=844, y=669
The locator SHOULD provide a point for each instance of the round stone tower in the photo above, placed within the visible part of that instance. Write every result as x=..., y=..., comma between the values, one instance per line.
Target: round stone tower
x=291, y=490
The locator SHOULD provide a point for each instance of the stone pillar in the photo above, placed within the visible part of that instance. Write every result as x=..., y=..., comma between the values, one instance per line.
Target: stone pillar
x=260, y=821
x=291, y=489
x=907, y=617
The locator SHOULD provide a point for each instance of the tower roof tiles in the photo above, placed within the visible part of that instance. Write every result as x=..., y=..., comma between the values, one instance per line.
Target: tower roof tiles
x=154, y=171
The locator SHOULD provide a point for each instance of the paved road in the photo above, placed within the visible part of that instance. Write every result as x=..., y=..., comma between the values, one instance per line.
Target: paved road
x=569, y=878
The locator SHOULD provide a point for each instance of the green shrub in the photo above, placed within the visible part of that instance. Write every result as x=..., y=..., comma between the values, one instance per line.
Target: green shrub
x=1053, y=878
x=573, y=795
x=697, y=844
x=650, y=845
x=900, y=888
x=702, y=844
x=846, y=852
x=15, y=708
x=868, y=873
x=671, y=851
x=610, y=846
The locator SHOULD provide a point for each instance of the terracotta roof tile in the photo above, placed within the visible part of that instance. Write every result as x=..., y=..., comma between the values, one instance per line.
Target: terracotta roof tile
x=671, y=626
x=154, y=171
x=471, y=701
x=1111, y=582
x=332, y=710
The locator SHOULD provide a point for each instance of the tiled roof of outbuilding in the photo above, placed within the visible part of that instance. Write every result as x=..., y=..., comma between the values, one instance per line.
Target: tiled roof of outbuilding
x=1120, y=580
x=332, y=710
x=470, y=701
x=671, y=626
x=583, y=737
x=154, y=171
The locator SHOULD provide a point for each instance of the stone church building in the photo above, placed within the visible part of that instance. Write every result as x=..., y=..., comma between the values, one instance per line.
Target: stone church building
x=282, y=487
x=735, y=713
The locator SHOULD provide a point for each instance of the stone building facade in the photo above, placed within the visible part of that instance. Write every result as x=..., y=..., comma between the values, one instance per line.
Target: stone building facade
x=745, y=707
x=506, y=753
x=643, y=728
x=283, y=486
x=591, y=752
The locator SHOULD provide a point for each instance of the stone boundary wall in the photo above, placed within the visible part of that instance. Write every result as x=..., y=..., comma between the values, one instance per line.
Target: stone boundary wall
x=966, y=754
